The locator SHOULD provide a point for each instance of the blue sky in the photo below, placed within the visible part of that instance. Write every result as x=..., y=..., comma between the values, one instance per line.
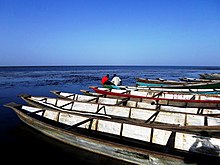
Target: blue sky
x=109, y=32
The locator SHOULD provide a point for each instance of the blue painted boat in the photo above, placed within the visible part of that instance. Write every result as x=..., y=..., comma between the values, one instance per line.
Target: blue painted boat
x=178, y=84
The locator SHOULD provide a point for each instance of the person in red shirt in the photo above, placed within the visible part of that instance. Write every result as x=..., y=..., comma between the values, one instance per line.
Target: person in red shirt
x=105, y=80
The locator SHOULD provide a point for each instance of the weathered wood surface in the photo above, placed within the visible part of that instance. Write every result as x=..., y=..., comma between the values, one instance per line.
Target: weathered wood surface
x=211, y=91
x=141, y=103
x=175, y=120
x=179, y=100
x=163, y=81
x=65, y=126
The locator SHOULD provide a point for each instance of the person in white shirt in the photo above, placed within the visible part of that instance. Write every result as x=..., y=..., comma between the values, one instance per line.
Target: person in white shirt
x=116, y=80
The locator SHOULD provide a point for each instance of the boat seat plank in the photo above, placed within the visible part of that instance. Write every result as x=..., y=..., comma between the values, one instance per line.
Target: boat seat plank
x=80, y=123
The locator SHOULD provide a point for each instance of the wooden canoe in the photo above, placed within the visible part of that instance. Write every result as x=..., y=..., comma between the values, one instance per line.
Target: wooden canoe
x=211, y=91
x=178, y=102
x=161, y=82
x=89, y=96
x=210, y=76
x=188, y=85
x=178, y=120
x=162, y=94
x=120, y=139
x=190, y=79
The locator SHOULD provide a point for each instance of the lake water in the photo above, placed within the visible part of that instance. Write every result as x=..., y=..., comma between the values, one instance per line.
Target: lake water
x=19, y=142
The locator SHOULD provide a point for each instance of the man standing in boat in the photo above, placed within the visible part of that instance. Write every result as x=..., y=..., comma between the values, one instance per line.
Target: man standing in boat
x=116, y=80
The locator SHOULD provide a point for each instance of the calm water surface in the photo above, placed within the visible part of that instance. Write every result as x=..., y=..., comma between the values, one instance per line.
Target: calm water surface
x=19, y=142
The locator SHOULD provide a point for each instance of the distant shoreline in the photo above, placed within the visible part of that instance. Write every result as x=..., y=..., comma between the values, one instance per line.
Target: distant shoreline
x=5, y=66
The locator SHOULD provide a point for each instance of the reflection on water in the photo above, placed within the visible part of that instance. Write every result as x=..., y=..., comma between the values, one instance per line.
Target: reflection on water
x=32, y=145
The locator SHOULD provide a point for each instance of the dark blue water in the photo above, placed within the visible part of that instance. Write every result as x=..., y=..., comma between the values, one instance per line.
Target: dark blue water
x=21, y=142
